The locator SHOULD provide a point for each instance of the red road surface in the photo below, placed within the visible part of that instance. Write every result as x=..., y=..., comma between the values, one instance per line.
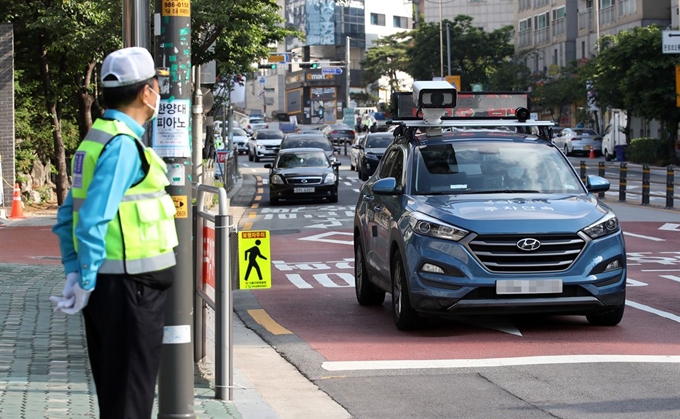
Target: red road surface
x=29, y=245
x=330, y=320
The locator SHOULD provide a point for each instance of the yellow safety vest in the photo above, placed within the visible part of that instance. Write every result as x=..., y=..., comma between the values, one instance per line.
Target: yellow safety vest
x=142, y=236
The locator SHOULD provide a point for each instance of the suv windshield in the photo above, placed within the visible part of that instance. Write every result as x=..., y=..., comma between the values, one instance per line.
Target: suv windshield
x=301, y=159
x=491, y=167
x=309, y=142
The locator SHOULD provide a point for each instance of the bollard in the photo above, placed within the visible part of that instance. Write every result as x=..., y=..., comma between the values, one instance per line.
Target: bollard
x=645, y=184
x=345, y=148
x=583, y=172
x=670, y=189
x=622, y=182
x=601, y=173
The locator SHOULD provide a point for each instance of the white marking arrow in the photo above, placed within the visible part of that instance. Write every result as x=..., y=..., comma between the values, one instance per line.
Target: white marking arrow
x=323, y=237
x=634, y=283
x=670, y=227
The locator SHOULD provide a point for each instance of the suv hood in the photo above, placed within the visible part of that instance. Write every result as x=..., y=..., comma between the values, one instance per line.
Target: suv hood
x=270, y=141
x=514, y=213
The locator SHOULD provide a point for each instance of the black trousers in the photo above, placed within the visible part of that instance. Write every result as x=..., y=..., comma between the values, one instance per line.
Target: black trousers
x=124, y=326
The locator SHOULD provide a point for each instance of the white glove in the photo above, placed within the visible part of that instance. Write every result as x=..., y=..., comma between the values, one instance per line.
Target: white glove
x=67, y=298
x=81, y=298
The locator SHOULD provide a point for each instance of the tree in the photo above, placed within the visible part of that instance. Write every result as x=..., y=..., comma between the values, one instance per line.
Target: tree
x=632, y=73
x=512, y=74
x=555, y=95
x=475, y=54
x=59, y=44
x=386, y=59
x=235, y=33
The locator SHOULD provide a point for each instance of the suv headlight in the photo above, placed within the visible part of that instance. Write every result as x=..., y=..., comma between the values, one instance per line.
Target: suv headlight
x=428, y=226
x=330, y=178
x=608, y=224
x=277, y=180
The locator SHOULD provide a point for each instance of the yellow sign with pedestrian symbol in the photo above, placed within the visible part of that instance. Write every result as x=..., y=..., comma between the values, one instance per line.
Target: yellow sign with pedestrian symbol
x=255, y=268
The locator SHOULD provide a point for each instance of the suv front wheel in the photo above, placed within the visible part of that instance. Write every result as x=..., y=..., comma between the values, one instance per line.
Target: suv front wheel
x=403, y=314
x=367, y=293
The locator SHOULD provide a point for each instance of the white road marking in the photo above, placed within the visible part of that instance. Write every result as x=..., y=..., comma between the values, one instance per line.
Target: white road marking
x=322, y=237
x=348, y=183
x=496, y=362
x=670, y=227
x=654, y=239
x=298, y=281
x=652, y=310
x=633, y=283
x=671, y=277
x=356, y=190
x=494, y=323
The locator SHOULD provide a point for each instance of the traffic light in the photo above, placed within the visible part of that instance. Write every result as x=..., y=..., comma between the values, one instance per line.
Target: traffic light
x=269, y=66
x=309, y=65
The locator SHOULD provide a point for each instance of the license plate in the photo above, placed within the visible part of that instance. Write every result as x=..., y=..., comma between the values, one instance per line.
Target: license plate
x=529, y=286
x=303, y=190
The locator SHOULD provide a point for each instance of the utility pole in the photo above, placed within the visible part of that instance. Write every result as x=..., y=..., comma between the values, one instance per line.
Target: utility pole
x=172, y=141
x=448, y=47
x=441, y=42
x=347, y=59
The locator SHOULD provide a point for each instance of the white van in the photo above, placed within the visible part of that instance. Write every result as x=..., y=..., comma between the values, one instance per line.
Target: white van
x=614, y=134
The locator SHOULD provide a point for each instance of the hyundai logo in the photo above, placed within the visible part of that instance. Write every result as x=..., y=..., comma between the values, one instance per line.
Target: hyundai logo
x=528, y=245
x=303, y=181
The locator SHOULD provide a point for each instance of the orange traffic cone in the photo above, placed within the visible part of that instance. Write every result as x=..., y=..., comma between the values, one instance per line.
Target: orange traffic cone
x=592, y=152
x=17, y=205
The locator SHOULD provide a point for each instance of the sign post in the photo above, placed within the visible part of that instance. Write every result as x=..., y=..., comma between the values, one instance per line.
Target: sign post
x=172, y=141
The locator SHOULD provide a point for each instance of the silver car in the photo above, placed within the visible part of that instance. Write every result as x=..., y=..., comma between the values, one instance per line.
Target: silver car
x=256, y=123
x=578, y=140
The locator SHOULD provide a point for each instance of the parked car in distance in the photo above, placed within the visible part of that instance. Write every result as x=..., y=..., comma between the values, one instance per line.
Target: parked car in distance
x=370, y=151
x=317, y=140
x=339, y=133
x=302, y=173
x=264, y=143
x=578, y=140
x=354, y=151
x=255, y=123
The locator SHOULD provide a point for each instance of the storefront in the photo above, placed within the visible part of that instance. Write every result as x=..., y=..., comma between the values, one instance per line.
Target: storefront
x=313, y=97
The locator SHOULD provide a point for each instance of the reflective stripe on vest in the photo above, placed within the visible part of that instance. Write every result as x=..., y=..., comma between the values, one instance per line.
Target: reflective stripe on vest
x=142, y=236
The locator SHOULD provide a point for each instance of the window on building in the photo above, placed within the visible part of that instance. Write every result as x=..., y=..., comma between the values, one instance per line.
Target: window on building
x=377, y=19
x=542, y=21
x=606, y=3
x=559, y=13
x=555, y=57
x=400, y=22
x=583, y=49
x=525, y=25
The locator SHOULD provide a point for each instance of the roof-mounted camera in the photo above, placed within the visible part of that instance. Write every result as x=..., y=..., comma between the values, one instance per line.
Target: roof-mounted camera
x=434, y=94
x=432, y=98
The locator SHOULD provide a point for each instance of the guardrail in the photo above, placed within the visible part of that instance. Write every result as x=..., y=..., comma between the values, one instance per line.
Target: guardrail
x=222, y=299
x=646, y=182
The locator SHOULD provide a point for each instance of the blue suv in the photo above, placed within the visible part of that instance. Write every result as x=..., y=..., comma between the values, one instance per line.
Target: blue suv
x=485, y=220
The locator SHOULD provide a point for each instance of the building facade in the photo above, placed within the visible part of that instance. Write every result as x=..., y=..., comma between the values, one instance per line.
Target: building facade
x=487, y=15
x=331, y=28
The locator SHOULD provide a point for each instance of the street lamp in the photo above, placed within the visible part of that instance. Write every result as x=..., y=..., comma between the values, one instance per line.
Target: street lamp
x=441, y=42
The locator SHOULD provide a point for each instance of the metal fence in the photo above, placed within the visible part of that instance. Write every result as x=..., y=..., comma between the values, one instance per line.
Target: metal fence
x=222, y=300
x=645, y=180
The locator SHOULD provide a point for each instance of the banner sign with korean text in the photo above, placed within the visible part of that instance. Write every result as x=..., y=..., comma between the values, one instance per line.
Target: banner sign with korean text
x=172, y=127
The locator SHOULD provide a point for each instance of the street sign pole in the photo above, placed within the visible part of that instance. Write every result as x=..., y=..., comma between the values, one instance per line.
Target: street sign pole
x=172, y=141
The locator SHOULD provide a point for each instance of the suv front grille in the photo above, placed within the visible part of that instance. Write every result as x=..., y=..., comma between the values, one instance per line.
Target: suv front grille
x=501, y=253
x=304, y=180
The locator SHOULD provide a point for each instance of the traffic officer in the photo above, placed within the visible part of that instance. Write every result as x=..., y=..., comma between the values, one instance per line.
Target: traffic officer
x=117, y=236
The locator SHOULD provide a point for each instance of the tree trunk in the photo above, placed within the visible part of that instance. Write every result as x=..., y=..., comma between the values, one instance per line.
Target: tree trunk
x=85, y=101
x=51, y=107
x=629, y=132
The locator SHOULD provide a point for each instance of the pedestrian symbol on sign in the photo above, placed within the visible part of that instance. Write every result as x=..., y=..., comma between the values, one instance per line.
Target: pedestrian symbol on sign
x=254, y=260
x=262, y=80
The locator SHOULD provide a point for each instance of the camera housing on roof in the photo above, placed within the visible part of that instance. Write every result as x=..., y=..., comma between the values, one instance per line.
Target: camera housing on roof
x=434, y=94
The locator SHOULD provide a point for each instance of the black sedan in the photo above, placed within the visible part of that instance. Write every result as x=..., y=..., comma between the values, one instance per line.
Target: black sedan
x=370, y=150
x=302, y=173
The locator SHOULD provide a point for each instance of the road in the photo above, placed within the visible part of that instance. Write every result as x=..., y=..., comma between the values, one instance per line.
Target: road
x=491, y=367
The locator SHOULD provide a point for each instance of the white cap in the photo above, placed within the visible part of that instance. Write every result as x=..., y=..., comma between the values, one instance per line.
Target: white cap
x=129, y=66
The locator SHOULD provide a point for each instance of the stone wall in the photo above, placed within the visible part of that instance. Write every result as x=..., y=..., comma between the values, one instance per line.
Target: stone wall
x=7, y=144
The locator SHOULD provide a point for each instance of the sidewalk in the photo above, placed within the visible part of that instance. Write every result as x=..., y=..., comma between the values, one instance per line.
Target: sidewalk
x=45, y=373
